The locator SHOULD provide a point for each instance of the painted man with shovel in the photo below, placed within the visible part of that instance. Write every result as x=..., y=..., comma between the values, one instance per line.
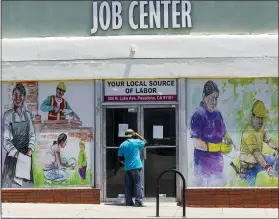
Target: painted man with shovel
x=252, y=160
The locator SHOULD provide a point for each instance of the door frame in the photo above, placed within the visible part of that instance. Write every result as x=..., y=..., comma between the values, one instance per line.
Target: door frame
x=104, y=146
x=162, y=106
x=140, y=118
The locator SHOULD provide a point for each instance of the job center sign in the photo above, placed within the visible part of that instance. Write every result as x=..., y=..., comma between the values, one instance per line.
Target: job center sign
x=140, y=90
x=166, y=14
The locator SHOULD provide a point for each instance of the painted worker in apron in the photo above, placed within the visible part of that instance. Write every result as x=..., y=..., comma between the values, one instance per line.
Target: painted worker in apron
x=208, y=130
x=252, y=161
x=18, y=141
x=56, y=106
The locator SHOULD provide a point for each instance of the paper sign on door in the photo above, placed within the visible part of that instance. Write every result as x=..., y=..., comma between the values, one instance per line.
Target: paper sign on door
x=158, y=132
x=121, y=129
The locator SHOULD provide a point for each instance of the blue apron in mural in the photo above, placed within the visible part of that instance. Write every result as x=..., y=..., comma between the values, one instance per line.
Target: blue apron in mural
x=20, y=132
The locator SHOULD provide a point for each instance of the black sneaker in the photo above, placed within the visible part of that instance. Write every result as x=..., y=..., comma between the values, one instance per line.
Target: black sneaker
x=139, y=205
x=130, y=204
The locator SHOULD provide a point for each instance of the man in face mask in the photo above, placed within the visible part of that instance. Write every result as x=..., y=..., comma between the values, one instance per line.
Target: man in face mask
x=129, y=154
x=252, y=161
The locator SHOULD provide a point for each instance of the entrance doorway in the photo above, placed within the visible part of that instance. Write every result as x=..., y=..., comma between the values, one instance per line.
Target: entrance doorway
x=158, y=125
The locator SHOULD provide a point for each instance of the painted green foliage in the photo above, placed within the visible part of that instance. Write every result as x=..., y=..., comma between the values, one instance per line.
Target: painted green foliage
x=73, y=176
x=253, y=89
x=235, y=101
x=40, y=181
x=43, y=141
x=248, y=97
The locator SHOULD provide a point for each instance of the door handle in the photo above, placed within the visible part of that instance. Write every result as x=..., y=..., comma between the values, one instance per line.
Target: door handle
x=144, y=153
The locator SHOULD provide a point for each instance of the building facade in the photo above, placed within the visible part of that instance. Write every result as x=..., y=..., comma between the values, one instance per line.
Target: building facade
x=188, y=79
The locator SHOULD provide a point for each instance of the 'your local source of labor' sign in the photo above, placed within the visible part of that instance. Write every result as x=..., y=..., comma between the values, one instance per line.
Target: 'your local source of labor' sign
x=141, y=15
x=140, y=90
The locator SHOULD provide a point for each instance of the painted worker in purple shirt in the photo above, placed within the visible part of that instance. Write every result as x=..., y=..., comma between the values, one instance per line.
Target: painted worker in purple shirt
x=208, y=130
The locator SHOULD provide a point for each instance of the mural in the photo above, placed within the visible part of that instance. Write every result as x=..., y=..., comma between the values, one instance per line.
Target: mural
x=19, y=135
x=233, y=132
x=63, y=158
x=44, y=141
x=56, y=106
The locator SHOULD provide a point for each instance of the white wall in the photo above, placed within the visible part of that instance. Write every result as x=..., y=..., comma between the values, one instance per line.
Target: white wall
x=154, y=57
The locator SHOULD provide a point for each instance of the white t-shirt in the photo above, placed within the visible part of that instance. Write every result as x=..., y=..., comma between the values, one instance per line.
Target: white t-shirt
x=51, y=157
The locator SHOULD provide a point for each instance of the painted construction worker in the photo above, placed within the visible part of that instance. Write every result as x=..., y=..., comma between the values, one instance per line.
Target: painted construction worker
x=56, y=106
x=252, y=161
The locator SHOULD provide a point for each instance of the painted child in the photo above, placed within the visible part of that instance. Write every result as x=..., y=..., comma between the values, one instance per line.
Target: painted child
x=82, y=161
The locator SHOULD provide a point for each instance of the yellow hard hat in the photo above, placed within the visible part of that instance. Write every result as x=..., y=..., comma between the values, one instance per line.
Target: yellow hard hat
x=259, y=109
x=82, y=143
x=61, y=86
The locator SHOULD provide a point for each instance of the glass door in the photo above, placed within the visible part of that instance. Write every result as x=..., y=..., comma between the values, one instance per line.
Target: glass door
x=117, y=120
x=159, y=126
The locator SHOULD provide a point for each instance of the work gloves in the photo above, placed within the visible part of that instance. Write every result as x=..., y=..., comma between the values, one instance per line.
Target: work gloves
x=224, y=147
x=269, y=169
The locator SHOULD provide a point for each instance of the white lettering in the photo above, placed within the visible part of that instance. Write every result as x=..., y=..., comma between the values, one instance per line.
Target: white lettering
x=95, y=18
x=104, y=25
x=154, y=15
x=131, y=15
x=143, y=14
x=175, y=14
x=185, y=15
x=123, y=98
x=166, y=13
x=116, y=15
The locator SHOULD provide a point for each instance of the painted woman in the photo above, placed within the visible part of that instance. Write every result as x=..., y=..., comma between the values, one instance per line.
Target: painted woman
x=19, y=142
x=208, y=130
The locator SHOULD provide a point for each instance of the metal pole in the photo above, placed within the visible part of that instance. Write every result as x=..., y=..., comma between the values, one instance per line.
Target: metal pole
x=184, y=191
x=157, y=199
x=183, y=197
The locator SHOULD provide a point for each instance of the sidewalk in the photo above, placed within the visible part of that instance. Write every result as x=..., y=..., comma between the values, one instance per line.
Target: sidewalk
x=23, y=210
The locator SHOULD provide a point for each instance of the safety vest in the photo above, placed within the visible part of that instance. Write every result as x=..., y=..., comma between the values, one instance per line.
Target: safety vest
x=53, y=115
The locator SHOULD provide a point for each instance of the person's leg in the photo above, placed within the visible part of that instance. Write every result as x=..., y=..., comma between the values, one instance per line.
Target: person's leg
x=82, y=173
x=250, y=176
x=49, y=174
x=139, y=187
x=85, y=168
x=56, y=175
x=61, y=175
x=128, y=188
